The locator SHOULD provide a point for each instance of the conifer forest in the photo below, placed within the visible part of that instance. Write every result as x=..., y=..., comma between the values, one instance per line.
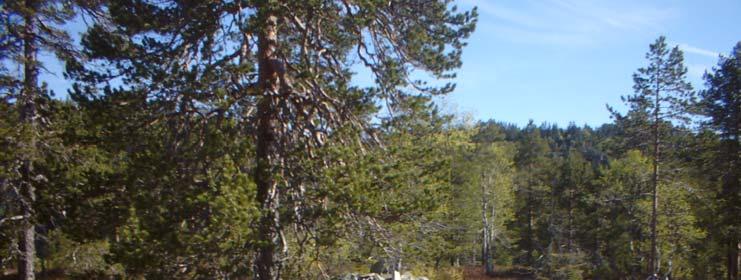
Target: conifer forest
x=230, y=139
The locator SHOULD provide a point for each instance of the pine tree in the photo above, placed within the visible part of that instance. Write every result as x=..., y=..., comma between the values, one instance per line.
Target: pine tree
x=30, y=28
x=662, y=95
x=721, y=104
x=285, y=67
x=531, y=194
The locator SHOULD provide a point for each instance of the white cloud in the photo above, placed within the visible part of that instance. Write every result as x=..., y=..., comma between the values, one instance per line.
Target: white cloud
x=506, y=14
x=623, y=17
x=529, y=36
x=567, y=22
x=700, y=51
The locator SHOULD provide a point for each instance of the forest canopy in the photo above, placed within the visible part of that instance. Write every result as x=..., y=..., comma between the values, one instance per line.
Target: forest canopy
x=228, y=140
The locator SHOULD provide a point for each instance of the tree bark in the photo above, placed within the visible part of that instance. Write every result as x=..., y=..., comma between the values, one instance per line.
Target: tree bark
x=268, y=152
x=487, y=215
x=485, y=257
x=652, y=262
x=27, y=103
x=733, y=260
x=530, y=238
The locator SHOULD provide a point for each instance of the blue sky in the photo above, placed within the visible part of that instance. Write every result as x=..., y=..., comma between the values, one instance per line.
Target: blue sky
x=561, y=61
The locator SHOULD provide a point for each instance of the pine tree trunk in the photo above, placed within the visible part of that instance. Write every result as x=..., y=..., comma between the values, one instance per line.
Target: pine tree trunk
x=27, y=103
x=738, y=260
x=268, y=153
x=652, y=262
x=733, y=260
x=28, y=113
x=654, y=207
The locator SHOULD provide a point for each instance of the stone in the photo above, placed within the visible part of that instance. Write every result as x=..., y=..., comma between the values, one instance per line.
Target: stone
x=376, y=276
x=407, y=276
x=371, y=276
x=349, y=276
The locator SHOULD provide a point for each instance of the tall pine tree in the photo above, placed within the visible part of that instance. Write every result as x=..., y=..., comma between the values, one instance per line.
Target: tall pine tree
x=721, y=104
x=284, y=67
x=30, y=28
x=662, y=95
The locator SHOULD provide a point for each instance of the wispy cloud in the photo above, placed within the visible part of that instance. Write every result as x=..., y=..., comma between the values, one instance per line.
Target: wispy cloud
x=610, y=16
x=522, y=35
x=567, y=22
x=507, y=14
x=700, y=51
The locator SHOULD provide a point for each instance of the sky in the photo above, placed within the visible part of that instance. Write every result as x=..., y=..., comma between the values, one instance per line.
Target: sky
x=562, y=61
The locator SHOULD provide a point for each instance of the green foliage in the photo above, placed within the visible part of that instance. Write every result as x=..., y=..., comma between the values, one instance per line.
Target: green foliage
x=78, y=259
x=197, y=73
x=718, y=147
x=150, y=171
x=622, y=213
